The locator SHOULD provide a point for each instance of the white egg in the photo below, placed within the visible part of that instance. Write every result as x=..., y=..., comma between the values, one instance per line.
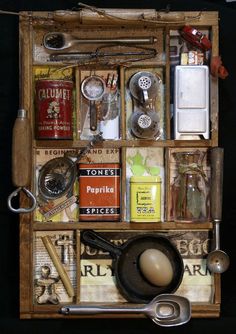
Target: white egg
x=156, y=267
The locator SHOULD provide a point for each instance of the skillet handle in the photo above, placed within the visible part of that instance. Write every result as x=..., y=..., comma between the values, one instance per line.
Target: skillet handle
x=95, y=240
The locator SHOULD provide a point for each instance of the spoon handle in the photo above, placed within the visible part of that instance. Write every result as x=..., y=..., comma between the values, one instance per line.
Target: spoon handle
x=93, y=116
x=88, y=309
x=217, y=157
x=217, y=234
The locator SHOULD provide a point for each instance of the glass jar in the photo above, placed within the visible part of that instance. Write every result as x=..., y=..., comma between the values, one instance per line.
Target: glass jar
x=190, y=189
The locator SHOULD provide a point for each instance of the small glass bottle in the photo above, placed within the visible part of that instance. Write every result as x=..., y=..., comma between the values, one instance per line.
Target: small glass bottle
x=190, y=189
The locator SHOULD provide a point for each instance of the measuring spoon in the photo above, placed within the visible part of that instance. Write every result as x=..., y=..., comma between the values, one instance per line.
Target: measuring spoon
x=165, y=310
x=61, y=41
x=217, y=260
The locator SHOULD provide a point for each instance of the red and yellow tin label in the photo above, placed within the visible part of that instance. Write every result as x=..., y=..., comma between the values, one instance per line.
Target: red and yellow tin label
x=54, y=108
x=99, y=192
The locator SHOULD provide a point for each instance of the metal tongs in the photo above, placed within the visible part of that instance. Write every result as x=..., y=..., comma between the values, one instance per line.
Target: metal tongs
x=102, y=52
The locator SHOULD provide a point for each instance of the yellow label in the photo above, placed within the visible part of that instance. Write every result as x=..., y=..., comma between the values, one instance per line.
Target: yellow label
x=145, y=202
x=144, y=198
x=53, y=73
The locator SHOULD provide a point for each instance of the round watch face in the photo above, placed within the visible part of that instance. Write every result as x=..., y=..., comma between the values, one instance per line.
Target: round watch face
x=56, y=178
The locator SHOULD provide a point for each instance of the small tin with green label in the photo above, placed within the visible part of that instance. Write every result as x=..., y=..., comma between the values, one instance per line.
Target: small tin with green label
x=145, y=198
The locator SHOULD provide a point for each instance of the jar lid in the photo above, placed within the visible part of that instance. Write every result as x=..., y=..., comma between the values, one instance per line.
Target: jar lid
x=145, y=179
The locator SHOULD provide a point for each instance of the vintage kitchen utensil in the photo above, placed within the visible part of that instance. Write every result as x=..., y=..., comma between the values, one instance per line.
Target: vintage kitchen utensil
x=144, y=120
x=217, y=260
x=165, y=310
x=143, y=53
x=93, y=88
x=143, y=86
x=57, y=176
x=21, y=155
x=129, y=279
x=21, y=149
x=110, y=108
x=145, y=124
x=61, y=41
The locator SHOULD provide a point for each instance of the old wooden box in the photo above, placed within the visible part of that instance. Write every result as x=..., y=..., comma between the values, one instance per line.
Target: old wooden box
x=90, y=275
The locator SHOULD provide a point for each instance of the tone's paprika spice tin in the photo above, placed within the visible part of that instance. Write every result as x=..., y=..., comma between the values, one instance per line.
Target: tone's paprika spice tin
x=99, y=192
x=54, y=108
x=145, y=201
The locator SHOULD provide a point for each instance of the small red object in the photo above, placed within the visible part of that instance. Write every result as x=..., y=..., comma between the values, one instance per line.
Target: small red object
x=196, y=38
x=217, y=69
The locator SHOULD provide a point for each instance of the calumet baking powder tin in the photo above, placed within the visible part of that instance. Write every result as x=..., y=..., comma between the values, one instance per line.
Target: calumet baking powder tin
x=145, y=201
x=54, y=107
x=99, y=192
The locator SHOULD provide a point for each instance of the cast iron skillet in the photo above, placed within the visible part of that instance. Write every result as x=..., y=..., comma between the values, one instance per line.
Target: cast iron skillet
x=129, y=279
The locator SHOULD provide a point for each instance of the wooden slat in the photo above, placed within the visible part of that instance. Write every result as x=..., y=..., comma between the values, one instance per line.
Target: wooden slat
x=167, y=85
x=26, y=254
x=217, y=296
x=122, y=110
x=124, y=143
x=78, y=271
x=77, y=131
x=150, y=17
x=25, y=266
x=214, y=91
x=121, y=226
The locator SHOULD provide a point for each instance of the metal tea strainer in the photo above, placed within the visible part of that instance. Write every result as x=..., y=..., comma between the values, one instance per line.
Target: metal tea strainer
x=57, y=176
x=93, y=88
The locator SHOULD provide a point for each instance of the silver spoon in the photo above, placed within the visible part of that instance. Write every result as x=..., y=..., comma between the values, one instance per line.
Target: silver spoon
x=62, y=41
x=165, y=310
x=217, y=260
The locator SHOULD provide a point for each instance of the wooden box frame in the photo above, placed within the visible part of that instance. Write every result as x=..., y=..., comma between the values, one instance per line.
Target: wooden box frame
x=29, y=25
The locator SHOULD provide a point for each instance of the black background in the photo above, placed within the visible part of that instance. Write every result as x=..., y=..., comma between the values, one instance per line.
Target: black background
x=9, y=227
